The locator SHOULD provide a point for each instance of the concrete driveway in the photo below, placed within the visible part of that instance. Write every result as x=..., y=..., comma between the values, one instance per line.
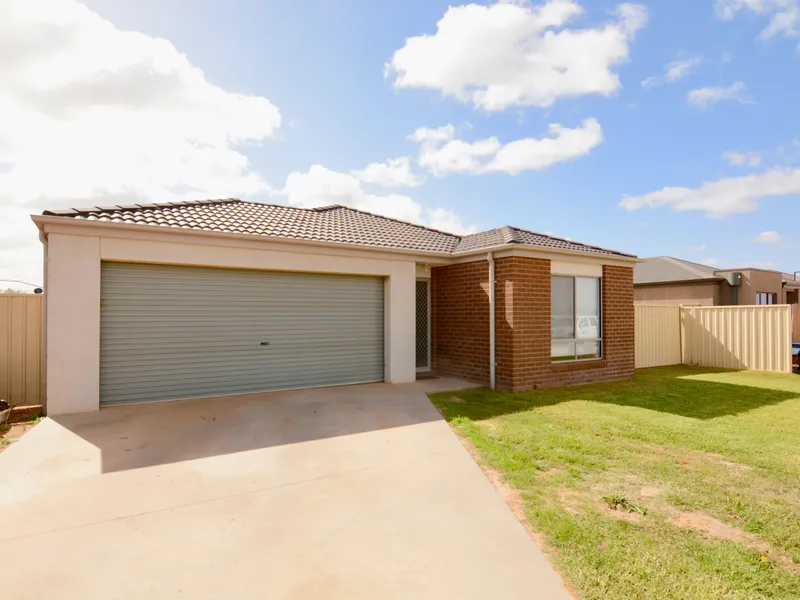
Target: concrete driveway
x=352, y=492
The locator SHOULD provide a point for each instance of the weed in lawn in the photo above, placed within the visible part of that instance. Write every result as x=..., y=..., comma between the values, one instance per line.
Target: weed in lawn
x=617, y=502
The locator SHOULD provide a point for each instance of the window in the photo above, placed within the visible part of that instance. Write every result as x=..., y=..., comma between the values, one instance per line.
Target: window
x=575, y=318
x=766, y=298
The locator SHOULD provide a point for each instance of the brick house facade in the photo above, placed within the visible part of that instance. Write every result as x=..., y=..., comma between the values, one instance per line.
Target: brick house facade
x=461, y=332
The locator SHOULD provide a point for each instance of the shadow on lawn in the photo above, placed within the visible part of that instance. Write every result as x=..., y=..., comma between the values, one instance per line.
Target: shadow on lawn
x=663, y=389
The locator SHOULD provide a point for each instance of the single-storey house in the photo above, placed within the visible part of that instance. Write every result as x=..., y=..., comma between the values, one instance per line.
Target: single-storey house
x=151, y=302
x=669, y=280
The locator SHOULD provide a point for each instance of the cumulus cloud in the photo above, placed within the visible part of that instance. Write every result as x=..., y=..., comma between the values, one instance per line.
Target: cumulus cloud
x=320, y=186
x=724, y=197
x=703, y=98
x=673, y=72
x=441, y=154
x=783, y=15
x=95, y=115
x=395, y=172
x=514, y=54
x=743, y=159
x=768, y=237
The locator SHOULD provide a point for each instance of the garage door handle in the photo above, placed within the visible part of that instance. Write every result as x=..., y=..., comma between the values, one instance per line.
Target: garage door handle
x=265, y=343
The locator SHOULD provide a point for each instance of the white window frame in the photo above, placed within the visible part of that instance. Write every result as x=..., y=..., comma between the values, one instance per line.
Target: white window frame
x=768, y=296
x=574, y=340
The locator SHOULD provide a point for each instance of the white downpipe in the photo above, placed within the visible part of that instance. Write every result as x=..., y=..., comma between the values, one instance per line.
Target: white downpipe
x=492, y=348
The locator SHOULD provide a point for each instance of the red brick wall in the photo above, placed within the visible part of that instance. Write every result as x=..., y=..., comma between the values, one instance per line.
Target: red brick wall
x=460, y=323
x=522, y=320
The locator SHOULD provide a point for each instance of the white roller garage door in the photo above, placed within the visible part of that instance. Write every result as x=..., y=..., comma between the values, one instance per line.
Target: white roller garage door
x=169, y=332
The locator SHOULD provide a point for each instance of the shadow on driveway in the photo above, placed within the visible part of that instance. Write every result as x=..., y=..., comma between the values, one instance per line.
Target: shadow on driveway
x=143, y=435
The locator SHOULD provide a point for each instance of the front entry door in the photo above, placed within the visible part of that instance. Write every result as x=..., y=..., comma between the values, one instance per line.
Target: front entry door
x=423, y=325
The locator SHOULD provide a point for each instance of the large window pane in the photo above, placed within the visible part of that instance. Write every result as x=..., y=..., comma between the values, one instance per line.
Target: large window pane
x=587, y=309
x=561, y=309
x=563, y=350
x=587, y=350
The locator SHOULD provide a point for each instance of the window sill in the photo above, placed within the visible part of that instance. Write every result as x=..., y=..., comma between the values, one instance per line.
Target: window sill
x=578, y=365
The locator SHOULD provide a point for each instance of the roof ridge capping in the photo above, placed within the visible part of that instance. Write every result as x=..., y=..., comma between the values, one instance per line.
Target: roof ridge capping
x=333, y=207
x=560, y=239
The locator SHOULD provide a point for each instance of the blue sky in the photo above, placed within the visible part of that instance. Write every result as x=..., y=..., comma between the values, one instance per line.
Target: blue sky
x=322, y=64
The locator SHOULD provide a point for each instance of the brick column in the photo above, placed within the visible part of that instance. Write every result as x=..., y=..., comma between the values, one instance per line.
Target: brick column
x=522, y=322
x=460, y=328
x=618, y=321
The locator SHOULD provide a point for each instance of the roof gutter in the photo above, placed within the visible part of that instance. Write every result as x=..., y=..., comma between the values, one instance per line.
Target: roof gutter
x=43, y=220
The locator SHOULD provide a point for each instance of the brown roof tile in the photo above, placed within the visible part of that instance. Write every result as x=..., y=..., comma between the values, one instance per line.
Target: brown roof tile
x=336, y=224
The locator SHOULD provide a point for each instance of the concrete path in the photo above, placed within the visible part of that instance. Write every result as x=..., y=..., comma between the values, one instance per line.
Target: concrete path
x=353, y=492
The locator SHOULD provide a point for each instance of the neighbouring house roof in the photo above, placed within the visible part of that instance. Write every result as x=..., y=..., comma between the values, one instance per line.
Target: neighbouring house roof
x=666, y=269
x=336, y=224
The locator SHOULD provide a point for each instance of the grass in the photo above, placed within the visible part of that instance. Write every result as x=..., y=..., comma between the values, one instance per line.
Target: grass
x=682, y=483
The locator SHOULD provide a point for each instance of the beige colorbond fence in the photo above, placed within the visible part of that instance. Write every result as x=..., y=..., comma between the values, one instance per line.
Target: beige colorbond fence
x=734, y=337
x=658, y=336
x=21, y=348
x=739, y=337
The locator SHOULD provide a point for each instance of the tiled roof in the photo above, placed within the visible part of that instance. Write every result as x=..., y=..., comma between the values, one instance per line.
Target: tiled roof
x=663, y=269
x=337, y=224
x=515, y=235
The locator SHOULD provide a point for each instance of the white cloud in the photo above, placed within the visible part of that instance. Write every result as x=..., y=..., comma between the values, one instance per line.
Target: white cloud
x=703, y=98
x=743, y=159
x=673, y=72
x=732, y=195
x=426, y=134
x=95, y=115
x=710, y=261
x=784, y=15
x=491, y=156
x=698, y=248
x=395, y=172
x=514, y=54
x=320, y=186
x=768, y=237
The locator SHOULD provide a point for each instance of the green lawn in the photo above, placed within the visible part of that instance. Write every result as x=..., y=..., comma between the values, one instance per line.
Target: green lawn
x=681, y=483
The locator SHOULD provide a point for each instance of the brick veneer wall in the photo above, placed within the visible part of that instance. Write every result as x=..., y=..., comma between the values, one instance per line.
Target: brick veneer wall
x=522, y=317
x=460, y=323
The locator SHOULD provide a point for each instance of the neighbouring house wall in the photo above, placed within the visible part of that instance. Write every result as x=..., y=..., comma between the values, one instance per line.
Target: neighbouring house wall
x=73, y=299
x=696, y=294
x=753, y=281
x=460, y=324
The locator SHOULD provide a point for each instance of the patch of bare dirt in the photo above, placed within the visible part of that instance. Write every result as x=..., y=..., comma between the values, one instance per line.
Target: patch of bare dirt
x=456, y=399
x=649, y=491
x=709, y=527
x=12, y=433
x=631, y=517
